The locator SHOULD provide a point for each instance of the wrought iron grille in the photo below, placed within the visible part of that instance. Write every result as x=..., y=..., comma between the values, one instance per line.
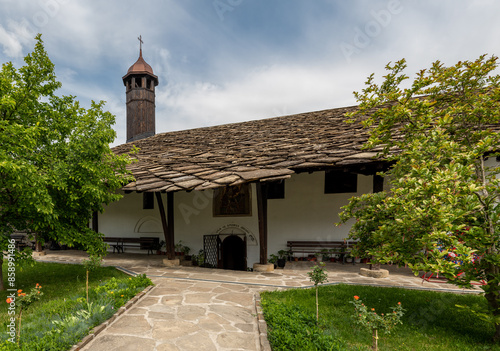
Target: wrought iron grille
x=211, y=246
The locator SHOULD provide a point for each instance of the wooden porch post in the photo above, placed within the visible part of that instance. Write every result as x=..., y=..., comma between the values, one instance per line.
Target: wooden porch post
x=262, y=213
x=170, y=229
x=167, y=222
x=95, y=221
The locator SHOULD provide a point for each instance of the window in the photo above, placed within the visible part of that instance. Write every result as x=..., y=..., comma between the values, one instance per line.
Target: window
x=148, y=201
x=276, y=189
x=378, y=183
x=340, y=182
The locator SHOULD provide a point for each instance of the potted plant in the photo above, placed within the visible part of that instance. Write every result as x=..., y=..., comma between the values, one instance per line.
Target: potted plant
x=178, y=249
x=194, y=259
x=161, y=245
x=325, y=255
x=273, y=259
x=282, y=257
x=185, y=251
x=200, y=258
x=333, y=255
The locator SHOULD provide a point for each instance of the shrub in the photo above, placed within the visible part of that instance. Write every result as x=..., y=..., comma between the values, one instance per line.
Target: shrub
x=290, y=328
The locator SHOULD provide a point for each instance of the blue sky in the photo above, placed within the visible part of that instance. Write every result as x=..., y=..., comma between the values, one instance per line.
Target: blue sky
x=223, y=61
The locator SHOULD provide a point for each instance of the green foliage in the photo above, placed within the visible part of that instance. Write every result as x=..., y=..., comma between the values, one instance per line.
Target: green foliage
x=290, y=328
x=50, y=276
x=23, y=300
x=442, y=213
x=429, y=316
x=56, y=166
x=199, y=258
x=317, y=274
x=273, y=258
x=61, y=323
x=373, y=320
x=121, y=290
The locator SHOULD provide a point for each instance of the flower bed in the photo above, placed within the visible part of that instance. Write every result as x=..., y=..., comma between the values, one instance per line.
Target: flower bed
x=63, y=322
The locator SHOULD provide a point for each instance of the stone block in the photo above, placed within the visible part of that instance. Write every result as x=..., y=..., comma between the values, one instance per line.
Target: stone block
x=379, y=273
x=171, y=263
x=269, y=267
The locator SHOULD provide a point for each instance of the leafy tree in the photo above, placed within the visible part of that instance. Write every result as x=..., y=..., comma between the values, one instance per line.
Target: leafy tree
x=442, y=213
x=56, y=166
x=318, y=275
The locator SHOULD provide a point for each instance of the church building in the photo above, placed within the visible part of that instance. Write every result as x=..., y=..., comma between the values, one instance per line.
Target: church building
x=239, y=191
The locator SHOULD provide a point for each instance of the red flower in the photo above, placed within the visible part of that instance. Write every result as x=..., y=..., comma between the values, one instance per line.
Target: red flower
x=399, y=303
x=20, y=291
x=9, y=300
x=356, y=297
x=373, y=309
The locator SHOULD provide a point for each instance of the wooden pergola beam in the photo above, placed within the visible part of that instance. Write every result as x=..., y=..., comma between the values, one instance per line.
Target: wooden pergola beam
x=262, y=213
x=167, y=222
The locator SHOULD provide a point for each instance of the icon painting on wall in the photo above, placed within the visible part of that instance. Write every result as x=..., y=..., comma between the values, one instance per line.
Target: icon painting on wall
x=232, y=201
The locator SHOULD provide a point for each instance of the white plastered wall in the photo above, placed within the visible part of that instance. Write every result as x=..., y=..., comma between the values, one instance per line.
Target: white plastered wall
x=306, y=213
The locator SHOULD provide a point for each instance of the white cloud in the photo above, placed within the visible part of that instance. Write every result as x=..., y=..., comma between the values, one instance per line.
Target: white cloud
x=264, y=59
x=11, y=45
x=266, y=92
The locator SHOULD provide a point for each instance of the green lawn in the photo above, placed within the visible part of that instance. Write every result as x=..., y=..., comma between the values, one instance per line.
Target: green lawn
x=57, y=281
x=431, y=321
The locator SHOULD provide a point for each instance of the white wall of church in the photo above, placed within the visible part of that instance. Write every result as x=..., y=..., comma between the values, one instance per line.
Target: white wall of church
x=306, y=213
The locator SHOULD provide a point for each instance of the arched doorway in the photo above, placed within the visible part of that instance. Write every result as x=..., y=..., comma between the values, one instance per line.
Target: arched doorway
x=234, y=253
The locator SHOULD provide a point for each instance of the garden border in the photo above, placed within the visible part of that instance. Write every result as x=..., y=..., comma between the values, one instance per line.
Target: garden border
x=261, y=325
x=98, y=329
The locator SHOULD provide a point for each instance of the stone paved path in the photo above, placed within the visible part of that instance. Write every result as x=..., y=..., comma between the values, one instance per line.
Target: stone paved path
x=192, y=308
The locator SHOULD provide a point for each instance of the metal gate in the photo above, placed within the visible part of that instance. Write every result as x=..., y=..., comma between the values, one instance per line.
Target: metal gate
x=214, y=255
x=212, y=248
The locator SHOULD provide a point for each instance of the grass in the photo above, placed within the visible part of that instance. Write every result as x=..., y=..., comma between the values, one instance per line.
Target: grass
x=62, y=316
x=431, y=321
x=57, y=281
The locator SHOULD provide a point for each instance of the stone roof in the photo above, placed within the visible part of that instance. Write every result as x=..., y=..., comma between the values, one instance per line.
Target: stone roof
x=231, y=154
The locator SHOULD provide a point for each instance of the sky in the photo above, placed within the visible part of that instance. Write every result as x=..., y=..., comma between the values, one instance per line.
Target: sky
x=226, y=61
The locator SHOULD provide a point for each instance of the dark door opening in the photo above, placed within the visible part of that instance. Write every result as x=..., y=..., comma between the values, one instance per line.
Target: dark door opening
x=234, y=253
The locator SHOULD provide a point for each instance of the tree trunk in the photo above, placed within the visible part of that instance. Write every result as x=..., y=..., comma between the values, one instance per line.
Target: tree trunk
x=492, y=298
x=496, y=337
x=87, y=286
x=19, y=327
x=375, y=340
x=317, y=305
x=2, y=285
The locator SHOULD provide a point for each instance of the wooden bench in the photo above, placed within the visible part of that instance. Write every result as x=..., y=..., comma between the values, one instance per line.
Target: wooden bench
x=143, y=243
x=342, y=248
x=20, y=241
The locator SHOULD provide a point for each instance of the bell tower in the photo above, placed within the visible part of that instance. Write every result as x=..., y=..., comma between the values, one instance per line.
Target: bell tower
x=140, y=85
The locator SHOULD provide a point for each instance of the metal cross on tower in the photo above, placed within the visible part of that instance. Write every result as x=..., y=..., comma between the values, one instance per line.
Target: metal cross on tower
x=140, y=43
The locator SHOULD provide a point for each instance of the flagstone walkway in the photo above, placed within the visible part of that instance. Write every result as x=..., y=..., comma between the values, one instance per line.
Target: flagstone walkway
x=192, y=308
